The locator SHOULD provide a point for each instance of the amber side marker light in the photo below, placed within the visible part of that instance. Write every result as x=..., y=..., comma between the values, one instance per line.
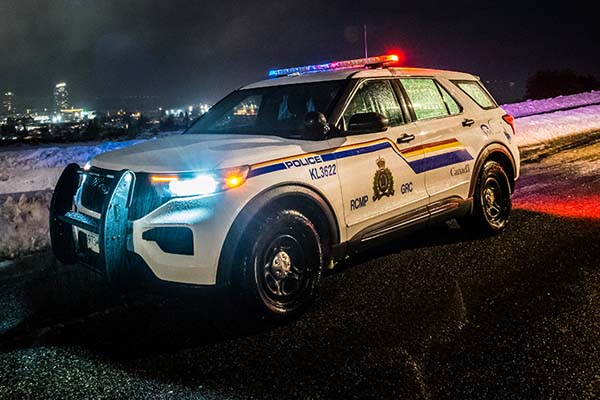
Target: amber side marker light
x=234, y=180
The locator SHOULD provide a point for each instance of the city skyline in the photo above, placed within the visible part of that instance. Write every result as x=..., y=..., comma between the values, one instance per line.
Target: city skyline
x=58, y=97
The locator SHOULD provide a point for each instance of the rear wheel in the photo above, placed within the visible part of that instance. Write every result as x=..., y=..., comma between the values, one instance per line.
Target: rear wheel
x=281, y=263
x=492, y=201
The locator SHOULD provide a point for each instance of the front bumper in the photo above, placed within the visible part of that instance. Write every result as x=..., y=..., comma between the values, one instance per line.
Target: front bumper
x=175, y=241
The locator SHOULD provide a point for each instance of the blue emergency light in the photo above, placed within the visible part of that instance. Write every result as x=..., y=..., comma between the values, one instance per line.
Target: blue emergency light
x=337, y=65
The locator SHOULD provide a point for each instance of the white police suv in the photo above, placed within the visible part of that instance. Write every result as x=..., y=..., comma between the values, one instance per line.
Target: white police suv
x=286, y=176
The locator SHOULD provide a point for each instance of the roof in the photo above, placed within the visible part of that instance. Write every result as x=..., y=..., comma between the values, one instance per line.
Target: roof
x=357, y=73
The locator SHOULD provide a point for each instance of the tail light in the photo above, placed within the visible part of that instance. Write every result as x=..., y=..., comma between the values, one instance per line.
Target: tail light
x=509, y=119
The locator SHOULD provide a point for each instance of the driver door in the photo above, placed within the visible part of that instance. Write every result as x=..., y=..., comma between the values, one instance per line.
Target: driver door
x=377, y=181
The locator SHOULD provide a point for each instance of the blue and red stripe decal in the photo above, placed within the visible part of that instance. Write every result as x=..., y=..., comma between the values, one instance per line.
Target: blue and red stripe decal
x=455, y=154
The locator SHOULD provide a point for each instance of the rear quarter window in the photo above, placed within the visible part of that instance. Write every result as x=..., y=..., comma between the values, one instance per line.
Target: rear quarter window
x=477, y=93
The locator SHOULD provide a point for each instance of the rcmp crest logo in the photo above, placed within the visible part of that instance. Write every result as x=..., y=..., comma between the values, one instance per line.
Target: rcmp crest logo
x=383, y=181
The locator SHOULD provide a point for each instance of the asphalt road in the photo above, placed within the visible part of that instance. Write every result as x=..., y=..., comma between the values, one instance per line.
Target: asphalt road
x=440, y=315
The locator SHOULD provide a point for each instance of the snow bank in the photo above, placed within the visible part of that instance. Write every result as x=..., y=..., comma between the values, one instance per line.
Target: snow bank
x=38, y=168
x=27, y=176
x=56, y=156
x=546, y=127
x=32, y=168
x=24, y=224
x=539, y=121
x=533, y=107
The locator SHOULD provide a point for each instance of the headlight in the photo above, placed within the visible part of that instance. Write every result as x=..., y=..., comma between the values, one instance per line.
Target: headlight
x=201, y=183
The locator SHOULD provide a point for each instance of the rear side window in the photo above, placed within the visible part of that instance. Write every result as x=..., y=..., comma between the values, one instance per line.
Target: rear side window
x=453, y=106
x=429, y=99
x=476, y=92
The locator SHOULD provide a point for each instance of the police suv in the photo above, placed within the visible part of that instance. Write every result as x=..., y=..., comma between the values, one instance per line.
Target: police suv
x=286, y=176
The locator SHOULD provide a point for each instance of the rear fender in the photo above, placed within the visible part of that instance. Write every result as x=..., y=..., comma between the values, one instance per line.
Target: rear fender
x=484, y=155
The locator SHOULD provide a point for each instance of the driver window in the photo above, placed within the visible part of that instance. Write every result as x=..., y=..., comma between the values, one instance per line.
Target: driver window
x=375, y=96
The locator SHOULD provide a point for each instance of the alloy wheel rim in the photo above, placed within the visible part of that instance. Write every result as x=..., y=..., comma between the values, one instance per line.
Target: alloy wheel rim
x=284, y=269
x=494, y=202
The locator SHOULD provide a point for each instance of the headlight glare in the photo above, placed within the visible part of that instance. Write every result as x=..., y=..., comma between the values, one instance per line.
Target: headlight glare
x=201, y=183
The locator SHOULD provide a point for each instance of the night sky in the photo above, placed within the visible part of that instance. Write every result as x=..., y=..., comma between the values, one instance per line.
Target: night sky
x=197, y=51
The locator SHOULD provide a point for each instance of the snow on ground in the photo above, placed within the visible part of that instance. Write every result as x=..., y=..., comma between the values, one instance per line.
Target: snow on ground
x=38, y=168
x=539, y=121
x=30, y=168
x=542, y=128
x=27, y=174
x=563, y=183
x=24, y=223
x=532, y=107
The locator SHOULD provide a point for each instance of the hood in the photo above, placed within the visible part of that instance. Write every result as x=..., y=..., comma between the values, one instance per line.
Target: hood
x=187, y=153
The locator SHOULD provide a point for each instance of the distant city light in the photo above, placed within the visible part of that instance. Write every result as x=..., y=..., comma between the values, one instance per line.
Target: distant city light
x=61, y=97
x=7, y=102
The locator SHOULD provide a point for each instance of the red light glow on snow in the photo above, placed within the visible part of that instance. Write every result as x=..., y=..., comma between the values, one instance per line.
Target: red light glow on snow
x=586, y=206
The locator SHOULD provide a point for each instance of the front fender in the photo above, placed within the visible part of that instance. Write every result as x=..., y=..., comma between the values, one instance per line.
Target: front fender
x=260, y=203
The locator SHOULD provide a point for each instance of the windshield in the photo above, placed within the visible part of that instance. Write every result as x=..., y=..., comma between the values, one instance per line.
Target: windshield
x=274, y=110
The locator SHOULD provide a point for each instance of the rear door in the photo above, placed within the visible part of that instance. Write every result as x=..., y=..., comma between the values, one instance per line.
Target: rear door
x=447, y=134
x=374, y=170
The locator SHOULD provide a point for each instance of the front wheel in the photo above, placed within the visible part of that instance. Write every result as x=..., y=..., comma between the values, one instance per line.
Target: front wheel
x=492, y=201
x=281, y=263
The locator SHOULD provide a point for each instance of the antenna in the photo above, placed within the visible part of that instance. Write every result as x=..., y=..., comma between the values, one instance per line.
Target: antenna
x=366, y=48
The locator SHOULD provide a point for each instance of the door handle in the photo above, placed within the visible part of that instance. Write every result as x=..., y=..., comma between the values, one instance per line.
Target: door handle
x=405, y=138
x=468, y=122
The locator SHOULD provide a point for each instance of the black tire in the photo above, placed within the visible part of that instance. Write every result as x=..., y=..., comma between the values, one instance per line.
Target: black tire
x=280, y=264
x=492, y=202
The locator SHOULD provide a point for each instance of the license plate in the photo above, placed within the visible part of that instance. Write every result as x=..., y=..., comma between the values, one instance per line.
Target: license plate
x=92, y=242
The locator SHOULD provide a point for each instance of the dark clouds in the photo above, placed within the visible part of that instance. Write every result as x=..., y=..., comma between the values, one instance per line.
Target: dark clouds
x=198, y=50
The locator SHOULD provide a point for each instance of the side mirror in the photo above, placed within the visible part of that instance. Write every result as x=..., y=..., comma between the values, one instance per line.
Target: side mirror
x=316, y=124
x=370, y=122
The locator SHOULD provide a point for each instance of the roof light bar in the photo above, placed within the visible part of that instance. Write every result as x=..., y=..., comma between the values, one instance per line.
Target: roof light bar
x=336, y=65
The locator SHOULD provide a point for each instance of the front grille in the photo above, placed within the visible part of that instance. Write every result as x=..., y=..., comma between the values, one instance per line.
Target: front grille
x=94, y=189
